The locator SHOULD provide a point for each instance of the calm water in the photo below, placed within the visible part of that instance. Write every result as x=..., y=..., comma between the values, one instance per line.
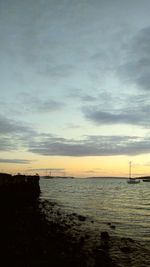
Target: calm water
x=127, y=206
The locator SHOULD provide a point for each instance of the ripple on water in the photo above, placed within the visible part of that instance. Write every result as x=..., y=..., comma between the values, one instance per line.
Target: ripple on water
x=111, y=200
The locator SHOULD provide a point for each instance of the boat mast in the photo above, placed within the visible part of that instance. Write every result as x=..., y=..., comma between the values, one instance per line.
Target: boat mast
x=130, y=169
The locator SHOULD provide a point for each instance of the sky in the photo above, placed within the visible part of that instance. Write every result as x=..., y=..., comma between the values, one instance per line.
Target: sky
x=75, y=87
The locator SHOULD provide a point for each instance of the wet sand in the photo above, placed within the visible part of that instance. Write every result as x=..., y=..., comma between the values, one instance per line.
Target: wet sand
x=42, y=234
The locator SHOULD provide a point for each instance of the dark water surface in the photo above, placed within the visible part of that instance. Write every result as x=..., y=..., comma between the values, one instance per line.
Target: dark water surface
x=126, y=206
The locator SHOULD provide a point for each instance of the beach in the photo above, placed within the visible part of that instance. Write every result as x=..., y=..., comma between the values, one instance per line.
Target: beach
x=40, y=233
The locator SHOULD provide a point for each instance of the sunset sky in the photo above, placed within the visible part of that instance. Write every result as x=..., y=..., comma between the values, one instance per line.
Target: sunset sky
x=75, y=87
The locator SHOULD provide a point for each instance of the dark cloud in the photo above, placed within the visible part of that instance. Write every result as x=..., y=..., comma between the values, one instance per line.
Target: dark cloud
x=18, y=161
x=14, y=134
x=136, y=68
x=91, y=146
x=133, y=114
x=8, y=126
x=7, y=143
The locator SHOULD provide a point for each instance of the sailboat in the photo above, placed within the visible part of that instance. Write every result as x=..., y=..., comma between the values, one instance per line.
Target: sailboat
x=132, y=180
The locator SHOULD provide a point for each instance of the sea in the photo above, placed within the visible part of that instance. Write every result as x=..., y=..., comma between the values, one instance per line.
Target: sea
x=106, y=201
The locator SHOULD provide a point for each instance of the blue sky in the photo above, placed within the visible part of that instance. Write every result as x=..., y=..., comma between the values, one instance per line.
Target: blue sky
x=75, y=81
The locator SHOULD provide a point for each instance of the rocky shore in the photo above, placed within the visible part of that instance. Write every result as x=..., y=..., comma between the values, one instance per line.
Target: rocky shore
x=40, y=233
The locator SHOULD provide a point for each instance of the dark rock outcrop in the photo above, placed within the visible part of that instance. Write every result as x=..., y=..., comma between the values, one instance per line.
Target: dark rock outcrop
x=22, y=187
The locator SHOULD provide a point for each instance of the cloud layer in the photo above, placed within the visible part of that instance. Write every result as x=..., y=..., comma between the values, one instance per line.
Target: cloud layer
x=136, y=68
x=91, y=146
x=13, y=137
x=70, y=68
x=131, y=115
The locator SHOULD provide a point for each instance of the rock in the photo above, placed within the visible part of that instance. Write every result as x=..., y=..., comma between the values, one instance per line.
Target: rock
x=105, y=240
x=81, y=240
x=103, y=259
x=81, y=218
x=125, y=249
x=130, y=240
x=113, y=226
x=105, y=235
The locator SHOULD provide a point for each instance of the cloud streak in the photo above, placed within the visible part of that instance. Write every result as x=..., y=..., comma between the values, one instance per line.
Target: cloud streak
x=17, y=161
x=133, y=115
x=91, y=146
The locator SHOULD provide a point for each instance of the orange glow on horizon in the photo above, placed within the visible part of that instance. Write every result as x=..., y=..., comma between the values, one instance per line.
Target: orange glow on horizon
x=115, y=166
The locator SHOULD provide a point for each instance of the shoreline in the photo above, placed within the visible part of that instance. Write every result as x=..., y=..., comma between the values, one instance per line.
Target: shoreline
x=40, y=233
x=121, y=251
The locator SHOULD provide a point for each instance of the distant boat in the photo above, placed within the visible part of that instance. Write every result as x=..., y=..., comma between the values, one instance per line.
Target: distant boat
x=132, y=180
x=146, y=180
